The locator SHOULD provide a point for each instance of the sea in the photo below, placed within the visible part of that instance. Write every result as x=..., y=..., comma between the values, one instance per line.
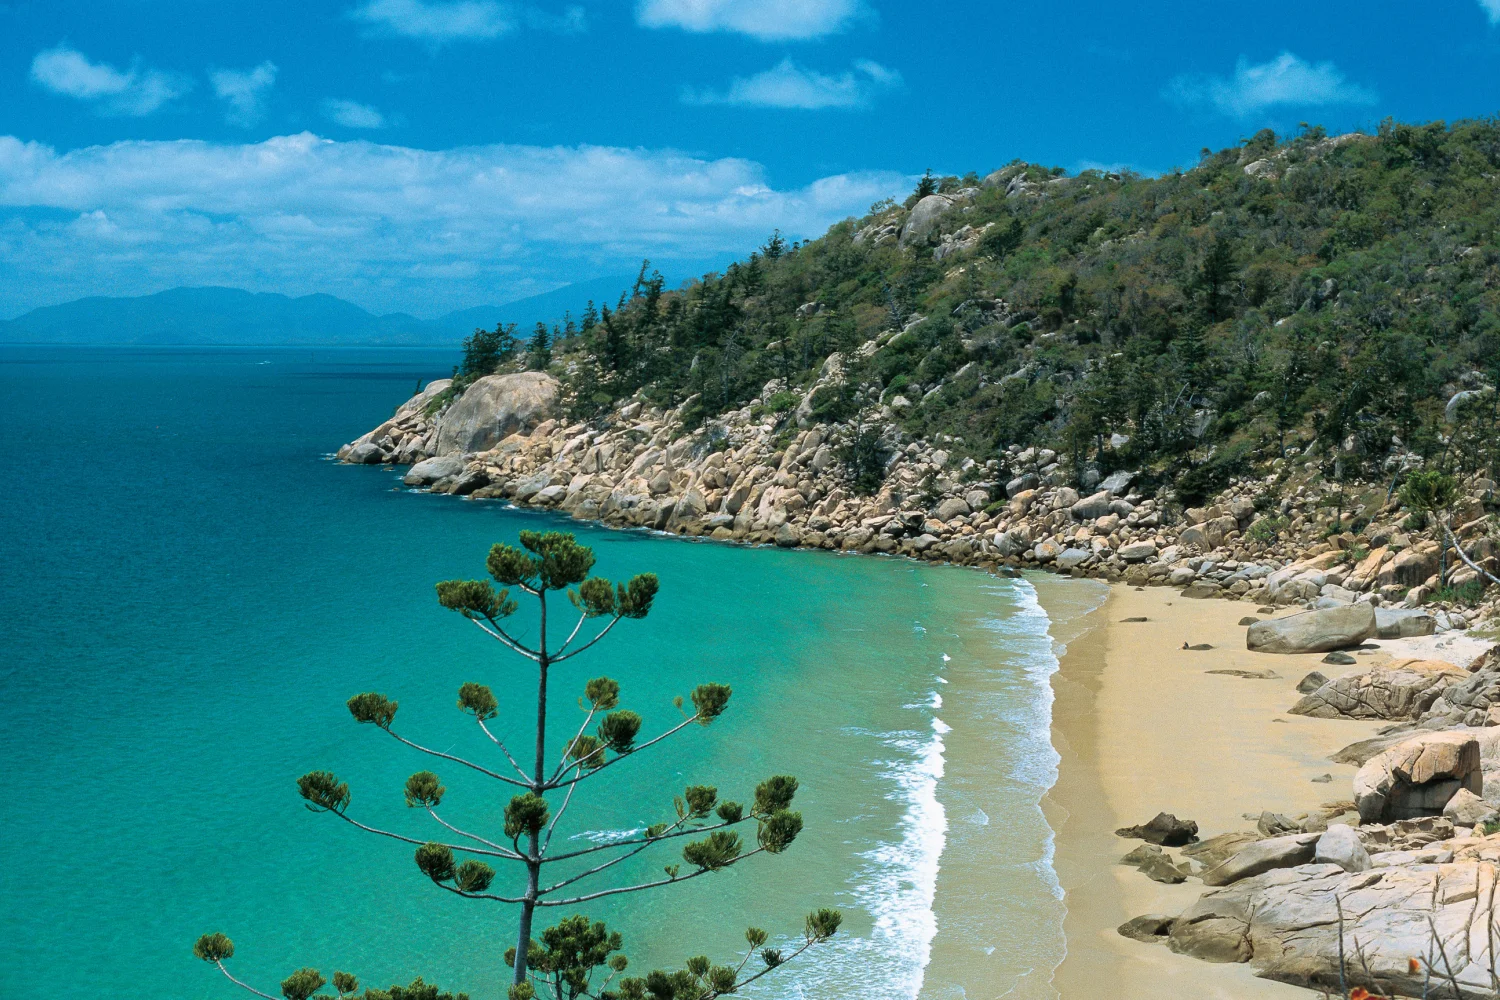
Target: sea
x=193, y=588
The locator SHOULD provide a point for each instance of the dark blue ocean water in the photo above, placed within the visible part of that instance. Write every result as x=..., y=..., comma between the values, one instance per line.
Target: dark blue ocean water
x=191, y=590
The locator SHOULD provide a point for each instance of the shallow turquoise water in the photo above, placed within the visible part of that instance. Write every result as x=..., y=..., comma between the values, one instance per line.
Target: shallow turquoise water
x=192, y=590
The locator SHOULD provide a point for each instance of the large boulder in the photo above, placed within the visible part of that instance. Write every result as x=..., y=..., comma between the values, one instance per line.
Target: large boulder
x=1262, y=856
x=430, y=470
x=1404, y=623
x=1092, y=507
x=1163, y=829
x=494, y=408
x=924, y=217
x=1287, y=924
x=1418, y=777
x=1340, y=845
x=1399, y=691
x=1313, y=631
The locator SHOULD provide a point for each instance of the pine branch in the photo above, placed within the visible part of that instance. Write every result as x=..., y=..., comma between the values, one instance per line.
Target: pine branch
x=690, y=831
x=498, y=633
x=644, y=885
x=501, y=853
x=513, y=762
x=613, y=760
x=613, y=861
x=562, y=765
x=243, y=986
x=463, y=833
x=459, y=760
x=476, y=895
x=602, y=633
x=557, y=816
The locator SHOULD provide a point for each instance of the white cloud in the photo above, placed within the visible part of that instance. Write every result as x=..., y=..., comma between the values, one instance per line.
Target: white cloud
x=440, y=21
x=1492, y=8
x=766, y=20
x=787, y=85
x=388, y=226
x=1284, y=81
x=244, y=91
x=134, y=92
x=352, y=114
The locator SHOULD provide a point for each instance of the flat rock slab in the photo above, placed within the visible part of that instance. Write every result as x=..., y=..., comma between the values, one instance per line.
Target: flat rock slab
x=1313, y=631
x=1263, y=856
x=1286, y=923
x=1250, y=675
x=1395, y=692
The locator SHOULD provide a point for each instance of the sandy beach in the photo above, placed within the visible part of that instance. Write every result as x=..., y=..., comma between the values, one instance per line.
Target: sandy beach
x=1142, y=727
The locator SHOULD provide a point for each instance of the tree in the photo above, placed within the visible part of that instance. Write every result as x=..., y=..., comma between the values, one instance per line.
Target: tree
x=565, y=961
x=1215, y=274
x=1433, y=493
x=927, y=185
x=486, y=350
x=774, y=247
x=539, y=354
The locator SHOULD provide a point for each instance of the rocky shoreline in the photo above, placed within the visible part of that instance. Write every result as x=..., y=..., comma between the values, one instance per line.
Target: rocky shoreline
x=1392, y=888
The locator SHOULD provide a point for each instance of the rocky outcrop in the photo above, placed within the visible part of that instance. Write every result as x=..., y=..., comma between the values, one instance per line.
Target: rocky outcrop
x=1418, y=777
x=1263, y=856
x=1314, y=631
x=1163, y=829
x=1287, y=923
x=1403, y=690
x=494, y=408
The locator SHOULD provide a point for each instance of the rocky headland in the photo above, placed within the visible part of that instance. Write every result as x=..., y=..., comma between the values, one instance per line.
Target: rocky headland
x=1390, y=886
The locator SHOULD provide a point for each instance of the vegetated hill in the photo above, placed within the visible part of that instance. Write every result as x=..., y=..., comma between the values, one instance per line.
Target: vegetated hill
x=234, y=316
x=1322, y=293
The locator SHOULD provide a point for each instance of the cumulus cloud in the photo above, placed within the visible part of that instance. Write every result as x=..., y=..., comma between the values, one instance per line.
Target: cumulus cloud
x=787, y=85
x=388, y=226
x=244, y=91
x=135, y=92
x=438, y=21
x=352, y=114
x=766, y=20
x=1491, y=8
x=1284, y=81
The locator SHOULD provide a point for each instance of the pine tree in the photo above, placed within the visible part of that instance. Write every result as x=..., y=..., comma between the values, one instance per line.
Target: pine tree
x=571, y=953
x=539, y=354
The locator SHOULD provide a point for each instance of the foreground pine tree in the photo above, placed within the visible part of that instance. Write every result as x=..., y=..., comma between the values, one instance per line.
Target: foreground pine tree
x=573, y=952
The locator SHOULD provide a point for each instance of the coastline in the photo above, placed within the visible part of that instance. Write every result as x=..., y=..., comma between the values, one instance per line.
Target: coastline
x=1140, y=728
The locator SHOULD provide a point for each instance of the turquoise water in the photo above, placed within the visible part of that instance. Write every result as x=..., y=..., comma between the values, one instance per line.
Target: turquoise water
x=192, y=590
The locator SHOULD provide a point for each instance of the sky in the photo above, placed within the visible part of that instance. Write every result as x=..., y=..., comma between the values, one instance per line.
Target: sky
x=430, y=155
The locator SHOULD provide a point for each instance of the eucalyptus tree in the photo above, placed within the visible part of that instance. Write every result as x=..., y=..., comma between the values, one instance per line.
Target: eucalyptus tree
x=571, y=953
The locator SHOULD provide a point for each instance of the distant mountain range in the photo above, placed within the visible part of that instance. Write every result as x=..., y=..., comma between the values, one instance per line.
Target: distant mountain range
x=234, y=316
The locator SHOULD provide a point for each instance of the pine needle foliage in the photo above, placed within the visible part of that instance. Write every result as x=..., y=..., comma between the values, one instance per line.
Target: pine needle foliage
x=575, y=958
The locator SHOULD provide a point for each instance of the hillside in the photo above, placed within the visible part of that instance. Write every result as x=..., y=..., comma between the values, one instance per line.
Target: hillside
x=234, y=316
x=1321, y=294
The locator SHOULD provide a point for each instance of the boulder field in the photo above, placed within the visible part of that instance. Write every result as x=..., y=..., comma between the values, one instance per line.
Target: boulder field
x=783, y=478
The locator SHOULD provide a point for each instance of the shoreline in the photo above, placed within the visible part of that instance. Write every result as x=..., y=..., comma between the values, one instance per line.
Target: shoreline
x=1141, y=728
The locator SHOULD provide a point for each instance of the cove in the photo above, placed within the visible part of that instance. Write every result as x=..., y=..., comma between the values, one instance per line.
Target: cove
x=193, y=590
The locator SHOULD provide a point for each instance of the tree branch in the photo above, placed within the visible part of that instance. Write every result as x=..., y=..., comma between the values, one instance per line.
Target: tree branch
x=459, y=760
x=745, y=982
x=502, y=853
x=574, y=780
x=602, y=633
x=474, y=895
x=612, y=862
x=513, y=762
x=646, y=840
x=644, y=885
x=562, y=765
x=243, y=986
x=582, y=617
x=1464, y=556
x=556, y=817
x=464, y=833
x=497, y=633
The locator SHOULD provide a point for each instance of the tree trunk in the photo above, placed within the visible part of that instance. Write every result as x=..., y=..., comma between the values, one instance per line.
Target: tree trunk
x=534, y=864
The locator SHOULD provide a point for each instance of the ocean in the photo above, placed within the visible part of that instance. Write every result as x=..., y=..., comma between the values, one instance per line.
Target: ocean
x=192, y=590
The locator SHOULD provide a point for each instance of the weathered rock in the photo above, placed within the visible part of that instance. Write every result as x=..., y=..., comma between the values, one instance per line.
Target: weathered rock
x=788, y=536
x=1466, y=808
x=953, y=507
x=1046, y=550
x=1339, y=659
x=924, y=217
x=1163, y=829
x=1340, y=845
x=1401, y=690
x=1402, y=623
x=365, y=454
x=1417, y=777
x=1092, y=507
x=495, y=407
x=1137, y=551
x=1311, y=683
x=1216, y=850
x=1069, y=558
x=1262, y=856
x=430, y=470
x=1313, y=631
x=1286, y=922
x=1151, y=928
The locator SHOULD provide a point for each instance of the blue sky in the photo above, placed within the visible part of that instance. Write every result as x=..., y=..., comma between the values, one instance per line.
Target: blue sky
x=426, y=155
